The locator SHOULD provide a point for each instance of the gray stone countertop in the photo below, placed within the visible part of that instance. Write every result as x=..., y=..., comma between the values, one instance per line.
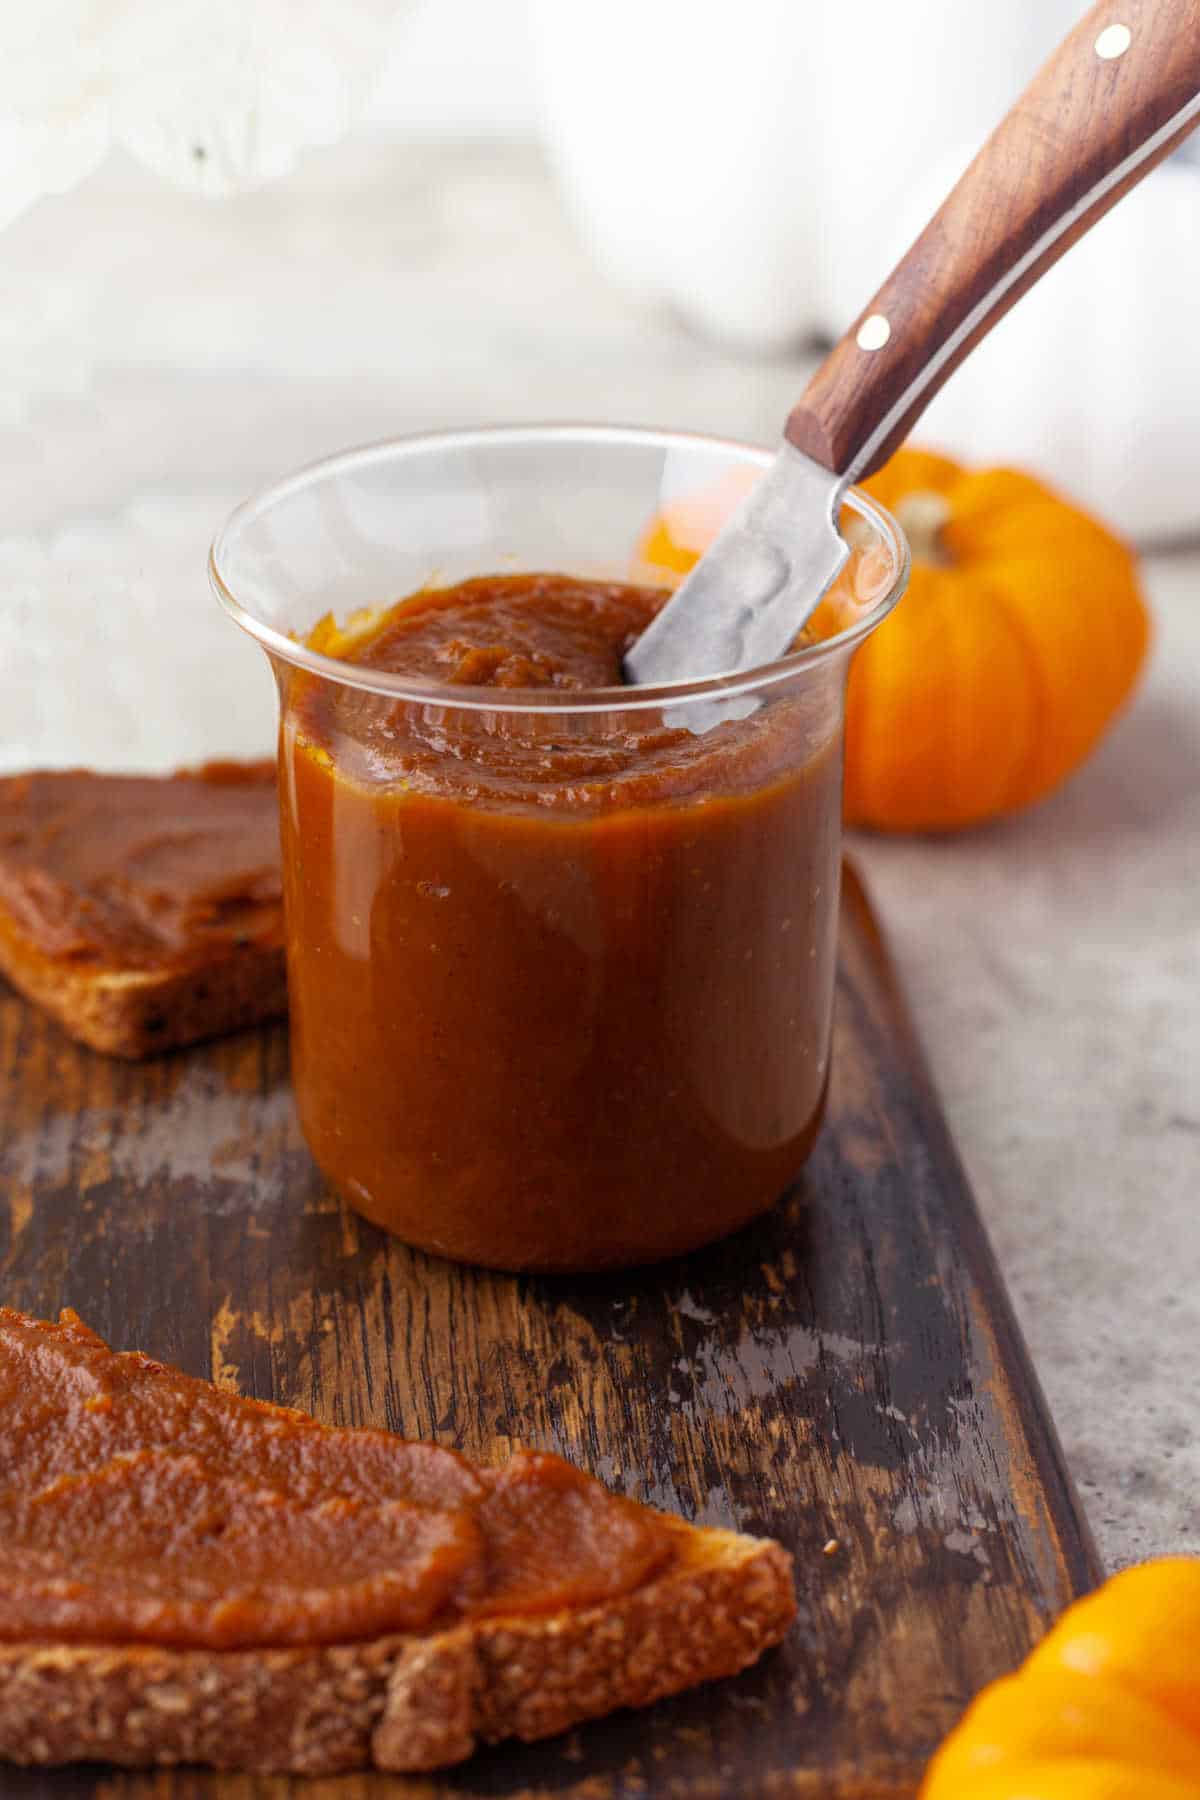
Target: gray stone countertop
x=164, y=355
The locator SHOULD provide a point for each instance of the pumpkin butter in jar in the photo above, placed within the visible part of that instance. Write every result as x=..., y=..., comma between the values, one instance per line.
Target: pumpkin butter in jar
x=560, y=951
x=560, y=980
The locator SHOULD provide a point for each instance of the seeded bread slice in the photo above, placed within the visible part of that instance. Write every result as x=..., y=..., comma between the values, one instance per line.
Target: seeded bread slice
x=402, y=1703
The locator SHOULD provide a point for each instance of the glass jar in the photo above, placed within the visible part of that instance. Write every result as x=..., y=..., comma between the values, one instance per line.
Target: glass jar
x=560, y=962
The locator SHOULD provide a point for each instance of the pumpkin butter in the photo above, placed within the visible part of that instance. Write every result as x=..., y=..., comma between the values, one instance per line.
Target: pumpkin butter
x=559, y=980
x=140, y=872
x=138, y=1504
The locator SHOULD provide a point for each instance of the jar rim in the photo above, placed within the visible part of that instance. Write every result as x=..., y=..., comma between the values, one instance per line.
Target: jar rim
x=278, y=644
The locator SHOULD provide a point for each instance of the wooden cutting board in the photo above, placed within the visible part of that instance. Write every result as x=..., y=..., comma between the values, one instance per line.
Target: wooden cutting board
x=846, y=1376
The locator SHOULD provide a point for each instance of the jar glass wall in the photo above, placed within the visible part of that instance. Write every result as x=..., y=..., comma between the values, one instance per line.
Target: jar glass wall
x=560, y=962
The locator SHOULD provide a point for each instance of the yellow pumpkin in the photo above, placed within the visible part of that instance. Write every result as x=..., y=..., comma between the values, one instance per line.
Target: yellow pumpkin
x=1092, y=1779
x=1106, y=1708
x=1141, y=1632
x=1022, y=633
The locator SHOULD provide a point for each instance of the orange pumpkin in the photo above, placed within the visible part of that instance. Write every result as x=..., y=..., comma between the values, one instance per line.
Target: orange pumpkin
x=1106, y=1708
x=1022, y=633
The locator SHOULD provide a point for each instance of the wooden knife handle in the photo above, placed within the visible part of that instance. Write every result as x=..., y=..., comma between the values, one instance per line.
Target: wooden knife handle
x=1119, y=93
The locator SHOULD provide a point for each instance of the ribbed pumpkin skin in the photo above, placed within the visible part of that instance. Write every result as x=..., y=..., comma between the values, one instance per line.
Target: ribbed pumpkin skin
x=1141, y=1632
x=1091, y=1780
x=1000, y=669
x=1106, y=1708
x=1003, y=665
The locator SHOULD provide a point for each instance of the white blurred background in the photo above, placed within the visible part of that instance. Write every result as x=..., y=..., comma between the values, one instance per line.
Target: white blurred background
x=746, y=174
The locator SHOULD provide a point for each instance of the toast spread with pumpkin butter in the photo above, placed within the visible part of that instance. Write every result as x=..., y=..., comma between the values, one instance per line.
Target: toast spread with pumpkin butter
x=189, y=1575
x=144, y=912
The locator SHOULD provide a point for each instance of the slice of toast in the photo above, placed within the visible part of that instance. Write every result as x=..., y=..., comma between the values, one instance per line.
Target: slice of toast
x=401, y=1703
x=143, y=912
x=705, y=1604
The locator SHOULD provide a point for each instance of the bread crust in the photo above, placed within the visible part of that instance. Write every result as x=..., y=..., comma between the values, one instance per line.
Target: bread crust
x=137, y=1012
x=402, y=1703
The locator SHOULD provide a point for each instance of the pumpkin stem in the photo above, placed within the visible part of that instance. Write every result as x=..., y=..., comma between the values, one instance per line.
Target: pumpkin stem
x=922, y=515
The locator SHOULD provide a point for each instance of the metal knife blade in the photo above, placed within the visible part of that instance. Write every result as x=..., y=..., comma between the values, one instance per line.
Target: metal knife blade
x=756, y=584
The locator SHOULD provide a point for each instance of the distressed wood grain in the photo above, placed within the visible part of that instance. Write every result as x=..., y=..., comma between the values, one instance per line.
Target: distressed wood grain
x=845, y=1375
